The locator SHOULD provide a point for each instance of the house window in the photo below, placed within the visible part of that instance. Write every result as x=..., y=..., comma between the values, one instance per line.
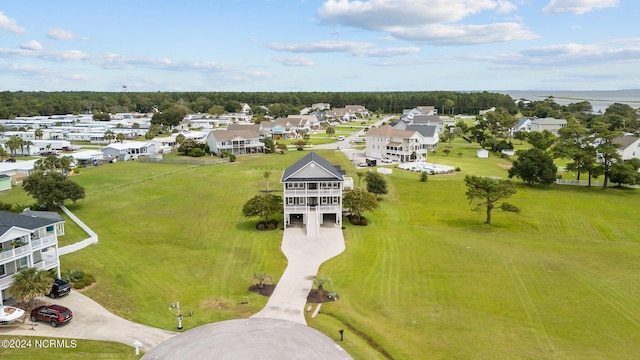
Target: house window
x=335, y=200
x=295, y=185
x=3, y=272
x=290, y=201
x=22, y=262
x=324, y=200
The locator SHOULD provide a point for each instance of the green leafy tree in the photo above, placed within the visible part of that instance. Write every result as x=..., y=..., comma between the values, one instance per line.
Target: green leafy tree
x=52, y=189
x=121, y=137
x=534, y=166
x=330, y=131
x=624, y=172
x=180, y=139
x=606, y=149
x=29, y=284
x=520, y=135
x=269, y=145
x=320, y=281
x=488, y=192
x=573, y=144
x=216, y=110
x=376, y=183
x=358, y=201
x=101, y=116
x=262, y=205
x=541, y=140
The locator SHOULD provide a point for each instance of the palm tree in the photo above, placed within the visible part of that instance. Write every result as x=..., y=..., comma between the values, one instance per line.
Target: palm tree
x=28, y=144
x=109, y=135
x=261, y=279
x=266, y=175
x=29, y=284
x=39, y=134
x=121, y=137
x=320, y=281
x=13, y=144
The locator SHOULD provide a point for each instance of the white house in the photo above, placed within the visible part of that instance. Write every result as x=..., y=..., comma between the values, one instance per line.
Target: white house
x=629, y=147
x=312, y=192
x=29, y=239
x=129, y=150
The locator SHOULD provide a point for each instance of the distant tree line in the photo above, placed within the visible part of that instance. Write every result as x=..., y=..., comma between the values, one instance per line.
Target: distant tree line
x=20, y=103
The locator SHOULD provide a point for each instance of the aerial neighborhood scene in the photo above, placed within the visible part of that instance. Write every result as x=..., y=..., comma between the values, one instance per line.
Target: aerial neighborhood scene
x=380, y=179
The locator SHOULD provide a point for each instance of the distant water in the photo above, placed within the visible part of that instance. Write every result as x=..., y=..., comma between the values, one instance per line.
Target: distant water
x=600, y=100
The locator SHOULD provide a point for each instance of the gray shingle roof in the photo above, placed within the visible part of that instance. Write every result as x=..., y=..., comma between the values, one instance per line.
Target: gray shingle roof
x=9, y=220
x=312, y=157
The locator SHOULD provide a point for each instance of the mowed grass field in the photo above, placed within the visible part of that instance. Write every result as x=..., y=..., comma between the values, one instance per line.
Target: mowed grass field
x=425, y=280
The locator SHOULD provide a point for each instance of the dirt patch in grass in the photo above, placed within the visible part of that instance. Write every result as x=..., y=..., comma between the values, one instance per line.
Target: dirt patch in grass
x=505, y=166
x=320, y=295
x=265, y=290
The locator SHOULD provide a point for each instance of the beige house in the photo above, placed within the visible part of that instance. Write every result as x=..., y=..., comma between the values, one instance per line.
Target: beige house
x=551, y=124
x=236, y=142
x=398, y=145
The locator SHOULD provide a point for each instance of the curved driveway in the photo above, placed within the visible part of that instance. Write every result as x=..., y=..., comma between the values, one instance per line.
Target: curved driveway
x=92, y=321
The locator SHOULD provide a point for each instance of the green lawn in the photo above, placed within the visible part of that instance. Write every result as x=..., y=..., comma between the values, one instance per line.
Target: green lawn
x=425, y=279
x=53, y=349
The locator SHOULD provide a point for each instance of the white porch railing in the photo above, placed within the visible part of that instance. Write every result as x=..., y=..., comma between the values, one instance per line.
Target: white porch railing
x=6, y=281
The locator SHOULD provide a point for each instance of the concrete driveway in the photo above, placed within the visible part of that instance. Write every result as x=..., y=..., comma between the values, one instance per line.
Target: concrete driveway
x=92, y=321
x=305, y=254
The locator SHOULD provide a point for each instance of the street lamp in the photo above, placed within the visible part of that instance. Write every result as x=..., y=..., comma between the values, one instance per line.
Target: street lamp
x=341, y=331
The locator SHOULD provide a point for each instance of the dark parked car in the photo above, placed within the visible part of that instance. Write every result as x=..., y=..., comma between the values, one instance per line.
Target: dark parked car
x=59, y=288
x=53, y=314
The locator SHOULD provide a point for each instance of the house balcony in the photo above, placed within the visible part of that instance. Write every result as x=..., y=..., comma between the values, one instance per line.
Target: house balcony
x=6, y=281
x=18, y=252
x=302, y=209
x=47, y=263
x=312, y=192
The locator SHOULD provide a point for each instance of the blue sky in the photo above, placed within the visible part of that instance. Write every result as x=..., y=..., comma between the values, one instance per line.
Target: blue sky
x=314, y=45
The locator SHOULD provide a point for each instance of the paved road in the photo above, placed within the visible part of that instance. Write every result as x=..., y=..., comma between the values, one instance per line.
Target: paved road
x=92, y=321
x=305, y=254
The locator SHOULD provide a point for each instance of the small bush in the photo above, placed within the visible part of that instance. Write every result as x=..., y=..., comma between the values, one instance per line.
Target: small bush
x=457, y=169
x=424, y=177
x=261, y=225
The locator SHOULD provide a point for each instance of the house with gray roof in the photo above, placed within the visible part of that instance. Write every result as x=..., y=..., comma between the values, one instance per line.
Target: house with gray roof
x=629, y=147
x=28, y=239
x=396, y=144
x=312, y=188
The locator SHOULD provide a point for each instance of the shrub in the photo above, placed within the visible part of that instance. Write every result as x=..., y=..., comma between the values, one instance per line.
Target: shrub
x=196, y=152
x=261, y=225
x=424, y=177
x=458, y=168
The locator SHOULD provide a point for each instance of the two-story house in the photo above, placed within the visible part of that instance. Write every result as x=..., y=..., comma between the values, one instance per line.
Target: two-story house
x=28, y=239
x=312, y=192
x=629, y=147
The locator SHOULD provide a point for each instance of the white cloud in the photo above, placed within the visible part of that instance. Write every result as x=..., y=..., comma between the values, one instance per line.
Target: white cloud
x=425, y=21
x=355, y=48
x=569, y=55
x=61, y=34
x=464, y=35
x=31, y=45
x=10, y=25
x=295, y=61
x=577, y=7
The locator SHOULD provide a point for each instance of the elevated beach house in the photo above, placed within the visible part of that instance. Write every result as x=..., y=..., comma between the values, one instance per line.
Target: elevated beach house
x=312, y=192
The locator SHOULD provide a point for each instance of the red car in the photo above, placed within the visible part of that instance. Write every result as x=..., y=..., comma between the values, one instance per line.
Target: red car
x=53, y=314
